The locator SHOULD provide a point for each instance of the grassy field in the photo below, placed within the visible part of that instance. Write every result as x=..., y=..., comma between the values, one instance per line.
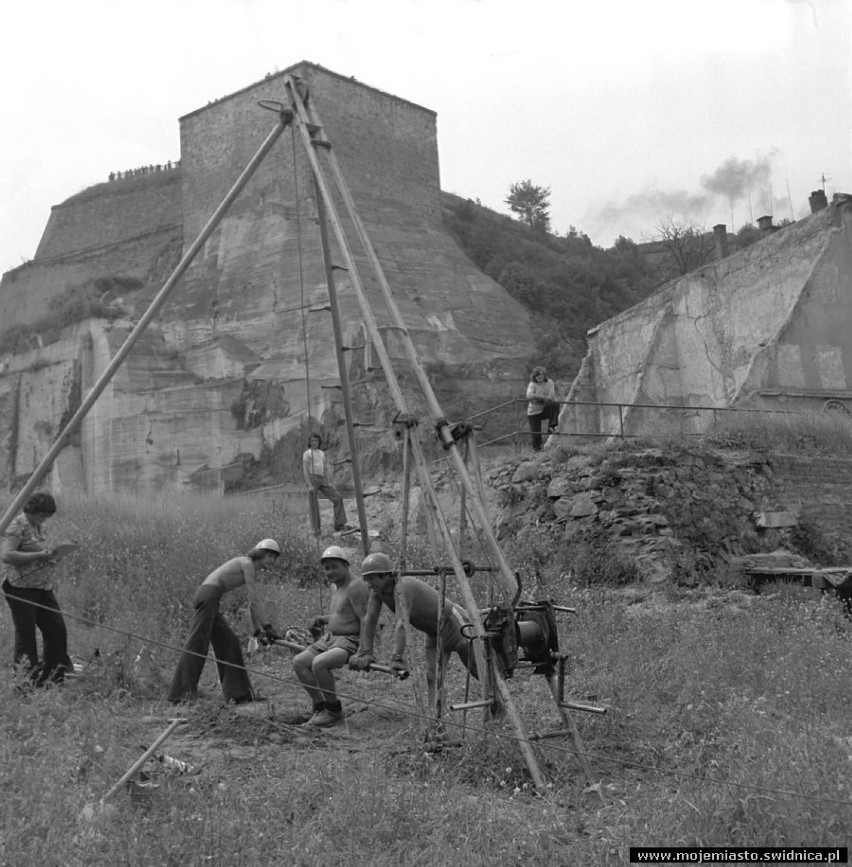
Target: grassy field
x=731, y=724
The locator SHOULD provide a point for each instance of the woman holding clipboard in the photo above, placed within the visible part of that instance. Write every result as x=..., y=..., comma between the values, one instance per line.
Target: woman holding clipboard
x=28, y=589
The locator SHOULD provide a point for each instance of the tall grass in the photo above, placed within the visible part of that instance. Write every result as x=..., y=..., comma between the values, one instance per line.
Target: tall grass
x=784, y=433
x=720, y=708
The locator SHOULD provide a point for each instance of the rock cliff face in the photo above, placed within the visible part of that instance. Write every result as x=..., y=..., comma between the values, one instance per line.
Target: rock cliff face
x=224, y=386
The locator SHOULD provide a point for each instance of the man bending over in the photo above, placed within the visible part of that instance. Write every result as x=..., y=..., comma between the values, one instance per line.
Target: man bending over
x=422, y=602
x=210, y=627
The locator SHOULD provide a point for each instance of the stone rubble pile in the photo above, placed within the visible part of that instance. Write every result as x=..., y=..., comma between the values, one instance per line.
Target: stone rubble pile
x=650, y=506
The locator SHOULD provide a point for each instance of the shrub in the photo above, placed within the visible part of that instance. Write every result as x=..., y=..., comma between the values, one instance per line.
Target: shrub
x=74, y=304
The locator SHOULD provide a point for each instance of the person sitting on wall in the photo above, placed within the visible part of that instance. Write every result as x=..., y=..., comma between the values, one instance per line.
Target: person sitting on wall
x=543, y=408
x=422, y=602
x=316, y=469
x=210, y=627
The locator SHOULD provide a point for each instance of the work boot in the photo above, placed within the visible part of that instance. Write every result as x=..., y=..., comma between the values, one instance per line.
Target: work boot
x=248, y=698
x=325, y=718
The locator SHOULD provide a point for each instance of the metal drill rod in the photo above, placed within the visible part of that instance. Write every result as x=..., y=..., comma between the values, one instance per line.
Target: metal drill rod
x=470, y=705
x=374, y=666
x=586, y=708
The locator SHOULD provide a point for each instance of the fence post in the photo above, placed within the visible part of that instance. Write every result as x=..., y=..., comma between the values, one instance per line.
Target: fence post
x=621, y=420
x=517, y=427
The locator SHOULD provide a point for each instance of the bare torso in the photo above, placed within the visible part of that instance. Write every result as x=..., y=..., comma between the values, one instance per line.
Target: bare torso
x=347, y=607
x=422, y=601
x=232, y=574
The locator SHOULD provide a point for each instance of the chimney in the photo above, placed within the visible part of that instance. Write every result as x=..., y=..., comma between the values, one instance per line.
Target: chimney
x=764, y=224
x=817, y=200
x=721, y=233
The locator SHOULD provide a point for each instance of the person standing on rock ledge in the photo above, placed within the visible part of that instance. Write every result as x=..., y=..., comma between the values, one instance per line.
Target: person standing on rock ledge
x=543, y=408
x=316, y=469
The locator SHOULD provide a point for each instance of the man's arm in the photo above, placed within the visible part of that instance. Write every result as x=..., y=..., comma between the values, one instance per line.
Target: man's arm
x=398, y=640
x=359, y=595
x=9, y=553
x=369, y=622
x=257, y=621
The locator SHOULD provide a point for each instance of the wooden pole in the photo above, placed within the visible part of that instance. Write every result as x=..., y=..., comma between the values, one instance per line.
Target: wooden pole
x=342, y=372
x=143, y=758
x=571, y=725
x=402, y=612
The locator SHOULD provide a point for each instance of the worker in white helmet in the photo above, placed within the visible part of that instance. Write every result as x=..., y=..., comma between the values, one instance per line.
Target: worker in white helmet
x=315, y=665
x=210, y=627
x=423, y=604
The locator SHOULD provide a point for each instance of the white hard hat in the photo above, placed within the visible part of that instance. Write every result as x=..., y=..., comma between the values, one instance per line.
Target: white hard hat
x=267, y=545
x=335, y=553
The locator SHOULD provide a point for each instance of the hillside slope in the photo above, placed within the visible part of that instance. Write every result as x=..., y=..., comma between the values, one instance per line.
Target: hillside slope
x=566, y=283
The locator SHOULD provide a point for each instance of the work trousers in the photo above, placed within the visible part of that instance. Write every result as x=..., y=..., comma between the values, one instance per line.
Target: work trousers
x=548, y=418
x=321, y=486
x=210, y=627
x=27, y=615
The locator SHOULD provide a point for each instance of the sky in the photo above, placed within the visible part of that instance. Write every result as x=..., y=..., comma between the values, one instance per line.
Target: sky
x=629, y=112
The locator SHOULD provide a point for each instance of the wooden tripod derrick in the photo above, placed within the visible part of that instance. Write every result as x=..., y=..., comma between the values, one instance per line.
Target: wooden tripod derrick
x=329, y=180
x=303, y=115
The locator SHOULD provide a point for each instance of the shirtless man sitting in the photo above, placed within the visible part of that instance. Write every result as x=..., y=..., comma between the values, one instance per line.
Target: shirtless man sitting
x=314, y=666
x=422, y=602
x=210, y=627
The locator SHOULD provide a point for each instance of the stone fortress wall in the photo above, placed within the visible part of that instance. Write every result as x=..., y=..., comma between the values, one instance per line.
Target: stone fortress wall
x=112, y=212
x=221, y=381
x=96, y=234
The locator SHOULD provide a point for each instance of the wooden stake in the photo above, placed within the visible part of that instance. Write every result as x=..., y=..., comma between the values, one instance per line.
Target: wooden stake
x=143, y=758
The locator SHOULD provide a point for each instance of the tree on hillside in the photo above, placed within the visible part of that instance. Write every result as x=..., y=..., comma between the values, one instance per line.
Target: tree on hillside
x=747, y=235
x=531, y=203
x=686, y=244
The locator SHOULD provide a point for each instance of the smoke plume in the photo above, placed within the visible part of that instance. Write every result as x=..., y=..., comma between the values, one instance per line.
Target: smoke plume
x=734, y=181
x=735, y=178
